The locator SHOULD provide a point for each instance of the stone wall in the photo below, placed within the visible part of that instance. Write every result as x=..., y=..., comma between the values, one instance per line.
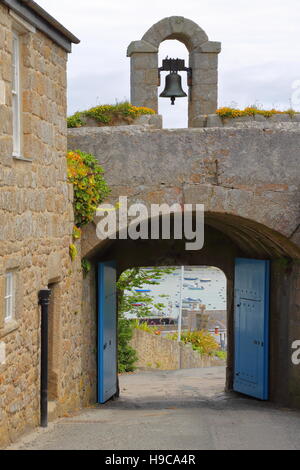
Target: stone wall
x=277, y=121
x=248, y=180
x=36, y=231
x=153, y=121
x=251, y=174
x=157, y=352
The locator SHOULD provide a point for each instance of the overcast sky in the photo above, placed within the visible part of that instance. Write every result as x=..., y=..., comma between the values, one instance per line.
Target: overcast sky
x=259, y=62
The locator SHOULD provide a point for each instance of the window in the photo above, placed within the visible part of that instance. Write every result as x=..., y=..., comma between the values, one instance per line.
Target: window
x=9, y=297
x=16, y=106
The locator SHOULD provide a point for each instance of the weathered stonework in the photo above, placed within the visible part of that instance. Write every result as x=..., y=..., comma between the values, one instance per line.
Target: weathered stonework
x=247, y=177
x=154, y=121
x=247, y=173
x=36, y=231
x=157, y=352
x=248, y=180
x=277, y=121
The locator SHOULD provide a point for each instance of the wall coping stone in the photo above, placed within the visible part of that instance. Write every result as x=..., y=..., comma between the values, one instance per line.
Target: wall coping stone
x=210, y=47
x=153, y=123
x=257, y=121
x=141, y=47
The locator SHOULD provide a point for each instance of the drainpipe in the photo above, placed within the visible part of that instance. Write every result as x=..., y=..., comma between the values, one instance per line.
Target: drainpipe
x=44, y=300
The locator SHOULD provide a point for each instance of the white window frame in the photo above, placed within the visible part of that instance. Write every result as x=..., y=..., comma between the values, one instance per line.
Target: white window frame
x=16, y=99
x=9, y=297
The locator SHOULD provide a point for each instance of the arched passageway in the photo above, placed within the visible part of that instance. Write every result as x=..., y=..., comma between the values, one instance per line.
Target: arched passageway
x=227, y=238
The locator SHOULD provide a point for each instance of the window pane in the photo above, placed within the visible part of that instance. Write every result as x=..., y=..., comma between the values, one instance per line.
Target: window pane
x=14, y=82
x=9, y=296
x=15, y=63
x=16, y=97
x=8, y=285
x=16, y=124
x=8, y=310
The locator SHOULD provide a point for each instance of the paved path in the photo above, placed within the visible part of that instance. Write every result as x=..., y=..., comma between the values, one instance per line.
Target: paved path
x=172, y=411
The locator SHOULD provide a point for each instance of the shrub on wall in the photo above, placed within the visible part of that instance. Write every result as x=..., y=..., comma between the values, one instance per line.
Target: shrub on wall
x=90, y=187
x=201, y=341
x=109, y=114
x=75, y=120
x=147, y=328
x=227, y=112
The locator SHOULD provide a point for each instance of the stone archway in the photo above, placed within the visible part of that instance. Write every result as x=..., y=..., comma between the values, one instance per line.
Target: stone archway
x=203, y=94
x=227, y=238
x=247, y=180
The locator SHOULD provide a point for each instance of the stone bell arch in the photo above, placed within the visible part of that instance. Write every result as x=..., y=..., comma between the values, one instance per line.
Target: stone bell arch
x=203, y=60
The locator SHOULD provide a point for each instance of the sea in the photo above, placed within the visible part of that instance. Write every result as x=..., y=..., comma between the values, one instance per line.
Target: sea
x=212, y=282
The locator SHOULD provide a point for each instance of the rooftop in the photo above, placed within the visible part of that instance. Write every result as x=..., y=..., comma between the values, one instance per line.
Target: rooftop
x=40, y=19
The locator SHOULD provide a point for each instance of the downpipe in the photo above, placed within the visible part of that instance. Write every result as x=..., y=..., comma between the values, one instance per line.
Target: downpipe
x=44, y=300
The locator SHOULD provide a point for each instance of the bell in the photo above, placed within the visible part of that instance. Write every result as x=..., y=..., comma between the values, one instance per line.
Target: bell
x=173, y=88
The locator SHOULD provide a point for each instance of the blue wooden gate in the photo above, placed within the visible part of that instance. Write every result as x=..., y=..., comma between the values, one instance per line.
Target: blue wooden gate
x=107, y=332
x=252, y=327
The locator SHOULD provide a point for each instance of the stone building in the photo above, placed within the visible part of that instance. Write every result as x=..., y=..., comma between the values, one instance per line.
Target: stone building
x=245, y=173
x=35, y=207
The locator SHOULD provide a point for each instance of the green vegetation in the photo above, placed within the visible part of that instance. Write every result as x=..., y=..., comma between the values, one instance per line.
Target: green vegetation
x=86, y=266
x=202, y=341
x=145, y=327
x=76, y=233
x=75, y=120
x=109, y=115
x=227, y=112
x=73, y=252
x=140, y=304
x=128, y=282
x=90, y=187
x=127, y=356
x=221, y=355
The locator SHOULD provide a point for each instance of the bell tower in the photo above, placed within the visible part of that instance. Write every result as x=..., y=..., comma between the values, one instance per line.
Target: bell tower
x=202, y=68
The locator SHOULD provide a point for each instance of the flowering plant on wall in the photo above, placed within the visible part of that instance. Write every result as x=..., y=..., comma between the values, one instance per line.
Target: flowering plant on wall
x=90, y=187
x=201, y=341
x=109, y=115
x=253, y=110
